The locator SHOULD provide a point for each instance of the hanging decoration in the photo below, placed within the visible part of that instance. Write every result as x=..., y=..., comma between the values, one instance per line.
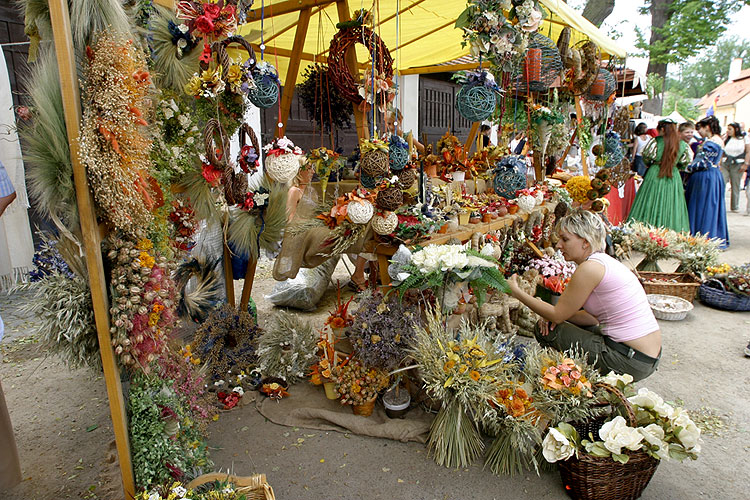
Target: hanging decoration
x=478, y=96
x=114, y=145
x=540, y=66
x=374, y=158
x=379, y=76
x=582, y=64
x=282, y=160
x=249, y=155
x=323, y=162
x=384, y=223
x=398, y=152
x=266, y=91
x=322, y=100
x=603, y=87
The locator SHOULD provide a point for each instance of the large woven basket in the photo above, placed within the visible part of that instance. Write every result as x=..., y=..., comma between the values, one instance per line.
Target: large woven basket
x=253, y=487
x=601, y=478
x=681, y=285
x=713, y=293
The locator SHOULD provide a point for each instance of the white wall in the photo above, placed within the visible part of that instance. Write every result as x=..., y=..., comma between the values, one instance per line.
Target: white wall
x=408, y=97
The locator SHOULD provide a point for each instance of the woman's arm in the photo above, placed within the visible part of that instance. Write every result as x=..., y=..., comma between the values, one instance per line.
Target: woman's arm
x=582, y=283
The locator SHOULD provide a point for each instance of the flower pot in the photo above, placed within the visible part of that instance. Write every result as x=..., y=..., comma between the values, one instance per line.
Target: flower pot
x=532, y=65
x=443, y=229
x=396, y=402
x=463, y=219
x=459, y=176
x=512, y=209
x=366, y=409
x=330, y=388
x=474, y=220
x=316, y=379
x=487, y=217
x=431, y=170
x=597, y=88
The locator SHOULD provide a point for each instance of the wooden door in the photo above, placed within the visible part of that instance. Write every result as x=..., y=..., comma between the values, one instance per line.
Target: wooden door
x=437, y=110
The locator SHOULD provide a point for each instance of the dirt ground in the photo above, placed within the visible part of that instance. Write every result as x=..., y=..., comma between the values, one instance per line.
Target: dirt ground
x=65, y=439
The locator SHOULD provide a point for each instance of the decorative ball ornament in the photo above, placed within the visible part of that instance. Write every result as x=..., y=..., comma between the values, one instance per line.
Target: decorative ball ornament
x=265, y=94
x=360, y=212
x=389, y=198
x=385, y=225
x=282, y=168
x=368, y=182
x=613, y=149
x=374, y=163
x=398, y=157
x=407, y=178
x=526, y=203
x=476, y=102
x=540, y=66
x=603, y=87
x=510, y=176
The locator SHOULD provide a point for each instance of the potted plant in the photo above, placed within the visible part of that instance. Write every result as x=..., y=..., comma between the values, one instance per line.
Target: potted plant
x=555, y=272
x=359, y=385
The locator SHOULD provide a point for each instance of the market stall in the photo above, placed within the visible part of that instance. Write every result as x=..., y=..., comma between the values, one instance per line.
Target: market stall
x=166, y=202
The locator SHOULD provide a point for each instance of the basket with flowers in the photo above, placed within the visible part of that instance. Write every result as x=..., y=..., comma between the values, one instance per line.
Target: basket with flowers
x=359, y=385
x=324, y=162
x=555, y=272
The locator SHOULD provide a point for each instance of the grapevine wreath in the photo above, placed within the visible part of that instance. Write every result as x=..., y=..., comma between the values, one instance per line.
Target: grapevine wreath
x=339, y=71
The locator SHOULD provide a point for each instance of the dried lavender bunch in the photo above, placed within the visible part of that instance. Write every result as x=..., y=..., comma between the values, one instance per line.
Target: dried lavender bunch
x=383, y=329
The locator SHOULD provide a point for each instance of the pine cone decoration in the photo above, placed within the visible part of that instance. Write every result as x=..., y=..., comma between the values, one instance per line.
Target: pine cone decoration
x=374, y=163
x=389, y=199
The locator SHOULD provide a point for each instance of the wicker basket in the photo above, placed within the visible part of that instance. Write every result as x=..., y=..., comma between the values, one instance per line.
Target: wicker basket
x=253, y=487
x=601, y=478
x=365, y=409
x=713, y=293
x=669, y=307
x=681, y=285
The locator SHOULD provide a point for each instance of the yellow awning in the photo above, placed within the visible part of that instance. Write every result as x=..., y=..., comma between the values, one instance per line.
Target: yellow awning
x=418, y=33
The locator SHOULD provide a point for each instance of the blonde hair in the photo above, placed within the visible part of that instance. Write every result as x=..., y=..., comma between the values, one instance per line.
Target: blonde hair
x=586, y=225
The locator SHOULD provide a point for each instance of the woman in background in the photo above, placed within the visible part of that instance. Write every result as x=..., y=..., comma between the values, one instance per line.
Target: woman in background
x=660, y=201
x=639, y=144
x=705, y=187
x=733, y=164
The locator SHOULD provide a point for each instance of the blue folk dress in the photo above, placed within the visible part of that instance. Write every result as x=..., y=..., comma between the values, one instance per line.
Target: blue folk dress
x=705, y=193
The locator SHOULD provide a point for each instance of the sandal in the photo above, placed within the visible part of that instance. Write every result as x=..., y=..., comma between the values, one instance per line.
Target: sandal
x=357, y=287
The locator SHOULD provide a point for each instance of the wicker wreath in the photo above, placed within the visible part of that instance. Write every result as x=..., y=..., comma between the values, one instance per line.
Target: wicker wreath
x=407, y=178
x=389, y=198
x=245, y=132
x=282, y=168
x=339, y=71
x=583, y=63
x=374, y=163
x=360, y=212
x=235, y=185
x=385, y=225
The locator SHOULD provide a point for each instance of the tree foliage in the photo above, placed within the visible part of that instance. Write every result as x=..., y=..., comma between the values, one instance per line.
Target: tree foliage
x=711, y=68
x=690, y=26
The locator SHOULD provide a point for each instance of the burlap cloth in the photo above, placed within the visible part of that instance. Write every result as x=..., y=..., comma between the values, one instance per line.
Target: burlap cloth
x=308, y=407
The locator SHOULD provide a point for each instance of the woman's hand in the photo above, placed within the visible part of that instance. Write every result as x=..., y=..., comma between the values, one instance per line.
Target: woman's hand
x=514, y=286
x=545, y=327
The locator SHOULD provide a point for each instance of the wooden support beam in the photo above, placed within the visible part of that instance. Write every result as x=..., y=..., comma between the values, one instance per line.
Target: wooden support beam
x=360, y=120
x=287, y=7
x=579, y=117
x=280, y=32
x=60, y=17
x=423, y=70
x=228, y=274
x=293, y=69
x=247, y=287
x=470, y=139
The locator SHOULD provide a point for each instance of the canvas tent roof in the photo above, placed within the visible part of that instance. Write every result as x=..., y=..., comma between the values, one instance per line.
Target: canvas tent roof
x=423, y=36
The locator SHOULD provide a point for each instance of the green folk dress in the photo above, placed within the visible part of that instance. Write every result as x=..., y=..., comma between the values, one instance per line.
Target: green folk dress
x=660, y=201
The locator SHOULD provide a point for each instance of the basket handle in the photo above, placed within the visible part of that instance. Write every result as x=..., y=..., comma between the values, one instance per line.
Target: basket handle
x=239, y=40
x=632, y=420
x=211, y=130
x=247, y=131
x=718, y=282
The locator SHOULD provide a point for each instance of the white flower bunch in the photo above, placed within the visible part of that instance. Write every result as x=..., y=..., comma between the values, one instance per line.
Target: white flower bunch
x=555, y=265
x=446, y=258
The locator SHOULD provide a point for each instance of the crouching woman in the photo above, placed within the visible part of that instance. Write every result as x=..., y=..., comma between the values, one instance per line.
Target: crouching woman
x=603, y=310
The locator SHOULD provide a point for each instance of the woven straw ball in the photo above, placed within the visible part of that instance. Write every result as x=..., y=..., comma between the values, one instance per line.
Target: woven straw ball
x=407, y=178
x=475, y=102
x=385, y=225
x=389, y=198
x=265, y=94
x=526, y=203
x=374, y=163
x=398, y=157
x=282, y=168
x=360, y=212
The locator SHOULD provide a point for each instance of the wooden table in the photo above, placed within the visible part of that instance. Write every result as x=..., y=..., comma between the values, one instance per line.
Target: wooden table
x=464, y=233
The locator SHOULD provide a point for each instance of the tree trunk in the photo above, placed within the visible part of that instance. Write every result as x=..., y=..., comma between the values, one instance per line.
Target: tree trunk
x=597, y=11
x=660, y=14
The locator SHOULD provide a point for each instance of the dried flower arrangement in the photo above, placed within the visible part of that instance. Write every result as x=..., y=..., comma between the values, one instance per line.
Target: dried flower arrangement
x=322, y=99
x=382, y=330
x=357, y=383
x=143, y=300
x=113, y=146
x=464, y=374
x=259, y=221
x=323, y=162
x=226, y=340
x=177, y=141
x=286, y=348
x=340, y=317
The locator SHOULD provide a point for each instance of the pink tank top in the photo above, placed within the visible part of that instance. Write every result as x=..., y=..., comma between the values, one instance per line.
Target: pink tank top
x=619, y=302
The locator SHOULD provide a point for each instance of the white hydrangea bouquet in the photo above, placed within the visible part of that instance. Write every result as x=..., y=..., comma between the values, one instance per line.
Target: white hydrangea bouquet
x=662, y=431
x=449, y=270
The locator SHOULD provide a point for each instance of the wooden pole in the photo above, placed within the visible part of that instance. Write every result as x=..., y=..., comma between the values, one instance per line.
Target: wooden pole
x=579, y=115
x=60, y=17
x=342, y=6
x=247, y=287
x=470, y=139
x=293, y=69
